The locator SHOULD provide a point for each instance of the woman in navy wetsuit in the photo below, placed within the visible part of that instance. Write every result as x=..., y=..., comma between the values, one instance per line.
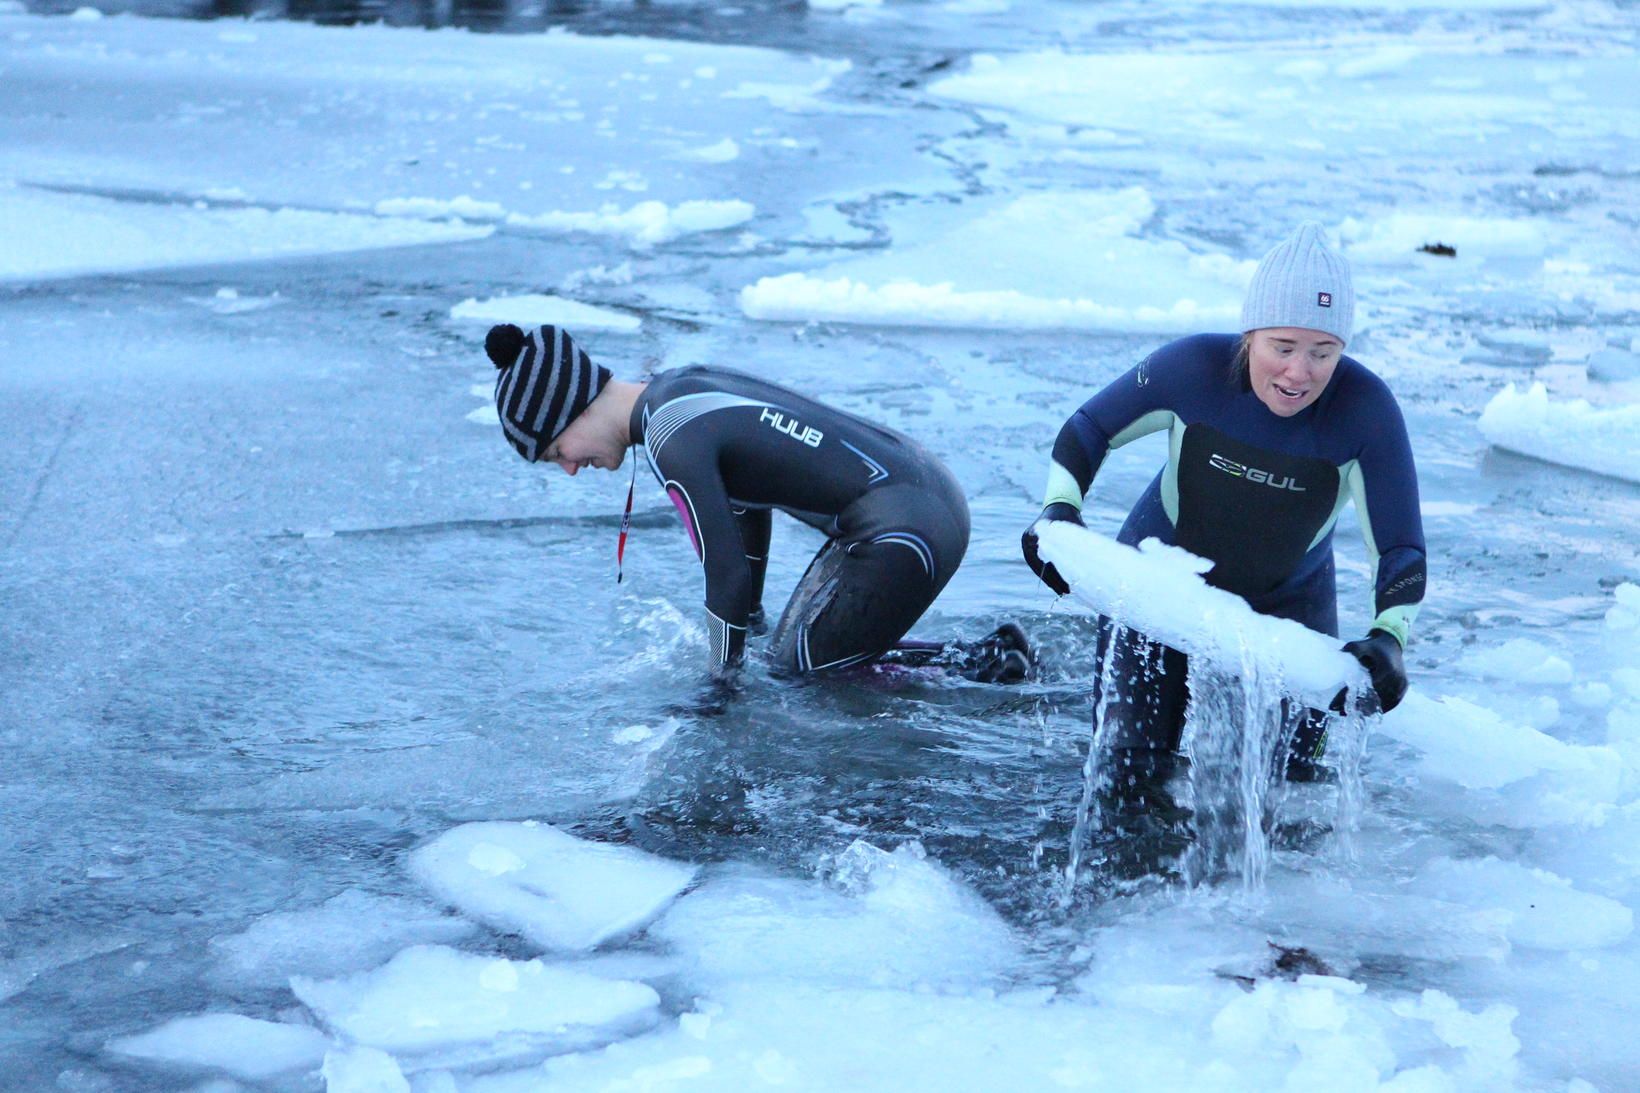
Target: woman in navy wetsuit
x=1270, y=434
x=729, y=449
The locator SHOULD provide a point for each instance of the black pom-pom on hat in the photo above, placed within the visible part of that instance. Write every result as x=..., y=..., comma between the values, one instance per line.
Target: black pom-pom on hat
x=503, y=344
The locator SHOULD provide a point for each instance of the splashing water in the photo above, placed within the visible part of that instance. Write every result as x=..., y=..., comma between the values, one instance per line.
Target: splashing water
x=1239, y=731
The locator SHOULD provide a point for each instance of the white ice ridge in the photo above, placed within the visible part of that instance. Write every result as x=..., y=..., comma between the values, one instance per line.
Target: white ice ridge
x=455, y=1006
x=558, y=891
x=242, y=1046
x=537, y=309
x=1573, y=434
x=1060, y=260
x=646, y=223
x=52, y=234
x=1158, y=590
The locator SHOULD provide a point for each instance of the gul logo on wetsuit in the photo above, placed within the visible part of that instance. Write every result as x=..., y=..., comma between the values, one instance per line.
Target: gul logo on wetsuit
x=1253, y=474
x=790, y=426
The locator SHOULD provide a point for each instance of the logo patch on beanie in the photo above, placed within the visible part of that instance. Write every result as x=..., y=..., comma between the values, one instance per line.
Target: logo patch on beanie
x=1323, y=299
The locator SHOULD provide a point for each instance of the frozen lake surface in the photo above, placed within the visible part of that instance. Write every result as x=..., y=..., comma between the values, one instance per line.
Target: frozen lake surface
x=336, y=758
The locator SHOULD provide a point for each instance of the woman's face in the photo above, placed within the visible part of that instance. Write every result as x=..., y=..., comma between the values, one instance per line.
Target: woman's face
x=1289, y=366
x=593, y=439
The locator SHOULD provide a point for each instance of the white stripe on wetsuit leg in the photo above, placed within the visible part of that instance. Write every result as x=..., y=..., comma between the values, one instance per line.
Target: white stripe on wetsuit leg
x=924, y=555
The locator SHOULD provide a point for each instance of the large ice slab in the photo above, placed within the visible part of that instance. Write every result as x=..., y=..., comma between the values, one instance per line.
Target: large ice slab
x=51, y=234
x=887, y=919
x=537, y=309
x=458, y=1007
x=404, y=122
x=1546, y=911
x=561, y=892
x=1063, y=260
x=350, y=932
x=243, y=1046
x=1571, y=433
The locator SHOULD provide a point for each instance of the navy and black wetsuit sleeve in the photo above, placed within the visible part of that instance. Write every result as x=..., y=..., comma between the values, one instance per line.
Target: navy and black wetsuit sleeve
x=756, y=527
x=733, y=584
x=1384, y=486
x=1130, y=407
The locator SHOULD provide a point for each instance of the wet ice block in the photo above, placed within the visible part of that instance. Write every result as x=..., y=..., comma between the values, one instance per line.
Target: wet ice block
x=463, y=1007
x=1571, y=433
x=1158, y=590
x=242, y=1046
x=885, y=918
x=556, y=890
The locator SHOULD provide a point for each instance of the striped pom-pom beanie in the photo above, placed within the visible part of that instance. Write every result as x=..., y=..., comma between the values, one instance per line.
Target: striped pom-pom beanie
x=1304, y=283
x=546, y=381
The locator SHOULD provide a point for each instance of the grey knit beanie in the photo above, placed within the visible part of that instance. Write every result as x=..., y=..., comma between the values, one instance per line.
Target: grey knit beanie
x=546, y=381
x=1304, y=283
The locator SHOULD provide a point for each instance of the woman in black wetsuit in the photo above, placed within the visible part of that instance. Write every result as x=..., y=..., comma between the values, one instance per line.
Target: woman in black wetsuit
x=1271, y=433
x=729, y=449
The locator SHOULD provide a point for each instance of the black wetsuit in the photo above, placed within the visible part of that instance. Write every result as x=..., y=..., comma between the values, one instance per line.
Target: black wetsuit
x=729, y=448
x=1256, y=493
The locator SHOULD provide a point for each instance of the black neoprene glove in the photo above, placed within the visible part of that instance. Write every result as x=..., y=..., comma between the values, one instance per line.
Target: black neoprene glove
x=1059, y=510
x=1380, y=654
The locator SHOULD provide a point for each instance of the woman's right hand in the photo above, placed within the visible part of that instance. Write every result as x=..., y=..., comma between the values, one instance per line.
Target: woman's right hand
x=1059, y=510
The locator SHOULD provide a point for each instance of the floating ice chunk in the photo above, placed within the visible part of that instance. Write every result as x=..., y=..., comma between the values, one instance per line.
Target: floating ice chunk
x=646, y=223
x=243, y=1046
x=427, y=208
x=353, y=931
x=1042, y=261
x=1592, y=696
x=723, y=151
x=1476, y=748
x=362, y=1070
x=1548, y=913
x=558, y=891
x=1397, y=237
x=456, y=1006
x=1486, y=1037
x=61, y=235
x=1573, y=434
x=1611, y=365
x=1624, y=616
x=1522, y=660
x=889, y=918
x=536, y=309
x=1603, y=859
x=86, y=15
